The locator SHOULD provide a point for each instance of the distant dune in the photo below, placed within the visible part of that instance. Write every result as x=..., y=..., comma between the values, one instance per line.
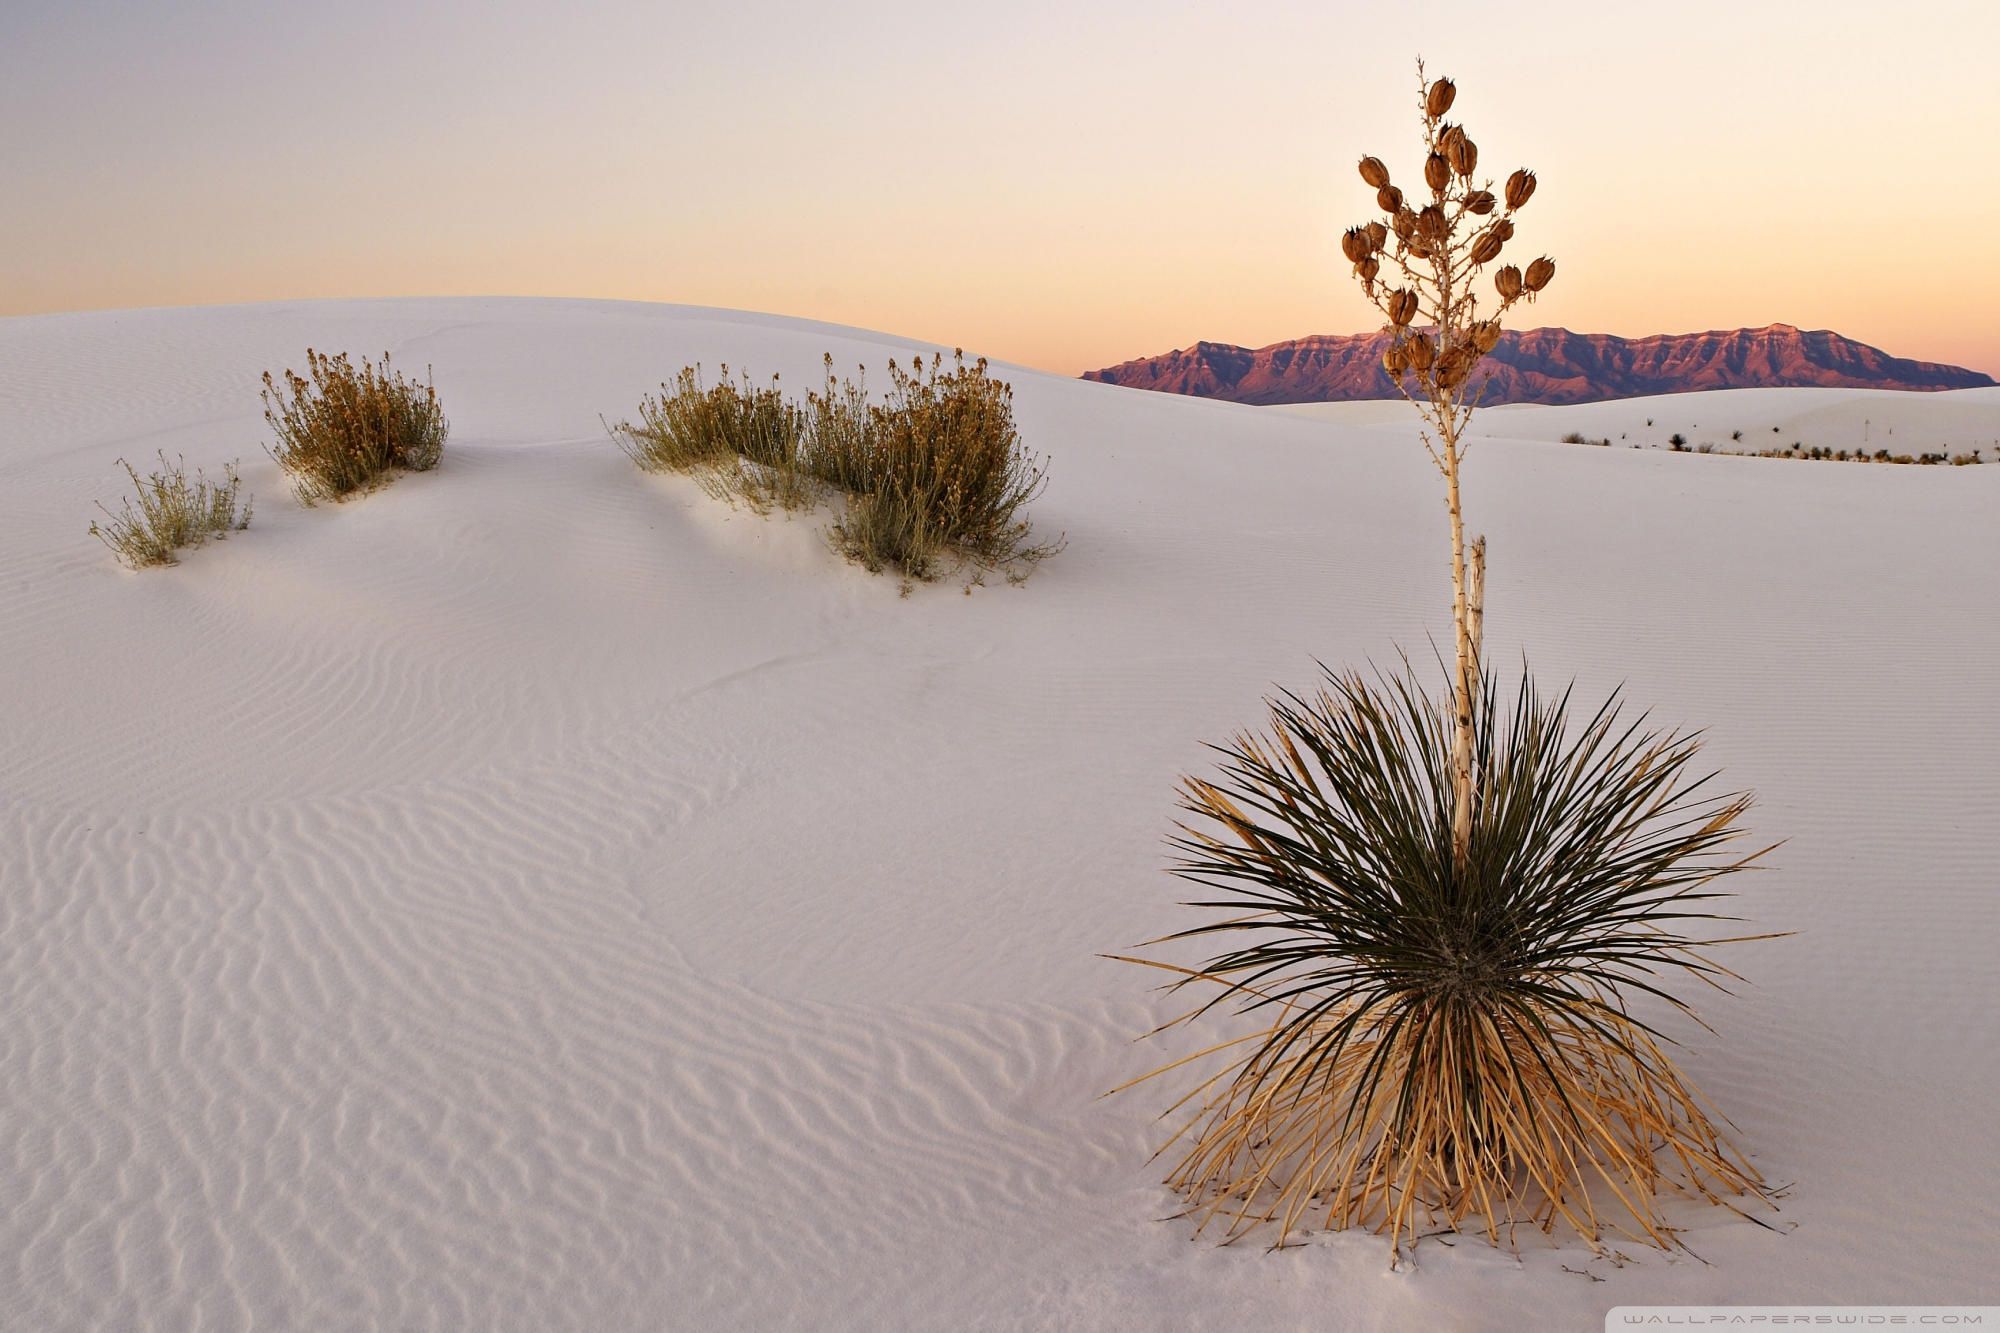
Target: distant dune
x=1544, y=366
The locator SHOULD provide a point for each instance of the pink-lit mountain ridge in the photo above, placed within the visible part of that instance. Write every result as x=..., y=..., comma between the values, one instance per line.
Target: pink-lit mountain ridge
x=1544, y=366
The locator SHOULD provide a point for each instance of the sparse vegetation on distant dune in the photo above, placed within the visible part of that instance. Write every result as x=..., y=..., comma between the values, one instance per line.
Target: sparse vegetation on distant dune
x=168, y=513
x=343, y=429
x=1932, y=458
x=933, y=476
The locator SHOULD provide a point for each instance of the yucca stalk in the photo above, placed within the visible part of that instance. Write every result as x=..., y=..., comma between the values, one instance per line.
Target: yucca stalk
x=1438, y=338
x=1442, y=1038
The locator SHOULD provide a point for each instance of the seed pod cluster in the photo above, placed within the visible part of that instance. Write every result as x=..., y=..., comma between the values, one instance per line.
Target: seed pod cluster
x=1443, y=355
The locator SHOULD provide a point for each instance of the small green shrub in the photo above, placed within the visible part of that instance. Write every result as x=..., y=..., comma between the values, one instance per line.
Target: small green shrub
x=346, y=429
x=171, y=513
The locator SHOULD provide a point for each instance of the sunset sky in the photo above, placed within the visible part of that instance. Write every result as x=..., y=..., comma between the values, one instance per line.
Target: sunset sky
x=1058, y=184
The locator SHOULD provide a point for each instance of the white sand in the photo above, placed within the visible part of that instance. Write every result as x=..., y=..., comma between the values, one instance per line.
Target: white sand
x=534, y=897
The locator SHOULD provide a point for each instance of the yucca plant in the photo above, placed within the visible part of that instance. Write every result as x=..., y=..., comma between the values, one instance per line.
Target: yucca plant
x=344, y=428
x=1437, y=1039
x=1454, y=924
x=167, y=513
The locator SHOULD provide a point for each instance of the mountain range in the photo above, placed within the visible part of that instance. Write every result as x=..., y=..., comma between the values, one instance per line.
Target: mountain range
x=1543, y=366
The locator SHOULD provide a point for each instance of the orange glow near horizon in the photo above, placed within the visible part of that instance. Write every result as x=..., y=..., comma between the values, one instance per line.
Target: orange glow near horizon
x=1066, y=189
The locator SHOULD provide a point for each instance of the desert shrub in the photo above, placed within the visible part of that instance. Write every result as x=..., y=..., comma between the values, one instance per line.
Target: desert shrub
x=741, y=441
x=1436, y=1037
x=169, y=512
x=940, y=469
x=840, y=425
x=1574, y=437
x=343, y=429
x=1679, y=442
x=932, y=476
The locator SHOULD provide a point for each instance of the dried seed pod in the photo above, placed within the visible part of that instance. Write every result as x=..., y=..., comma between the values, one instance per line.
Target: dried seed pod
x=1438, y=100
x=1395, y=360
x=1480, y=202
x=1404, y=222
x=1374, y=172
x=1449, y=135
x=1354, y=244
x=1504, y=229
x=1389, y=198
x=1378, y=236
x=1419, y=351
x=1457, y=366
x=1417, y=248
x=1486, y=335
x=1539, y=273
x=1508, y=281
x=1431, y=224
x=1437, y=173
x=1463, y=155
x=1402, y=306
x=1520, y=186
x=1367, y=269
x=1487, y=248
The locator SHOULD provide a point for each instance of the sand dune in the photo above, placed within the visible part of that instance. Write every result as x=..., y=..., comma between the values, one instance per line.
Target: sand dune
x=533, y=897
x=1742, y=421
